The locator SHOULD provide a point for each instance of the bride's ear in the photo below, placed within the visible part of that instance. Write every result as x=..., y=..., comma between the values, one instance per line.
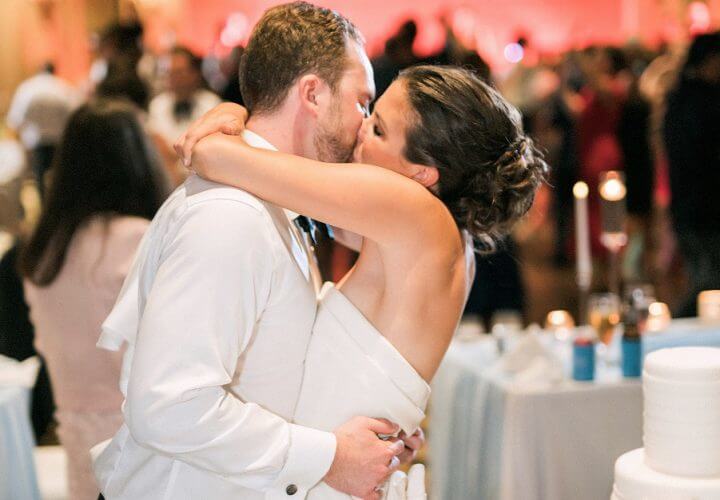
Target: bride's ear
x=312, y=92
x=425, y=175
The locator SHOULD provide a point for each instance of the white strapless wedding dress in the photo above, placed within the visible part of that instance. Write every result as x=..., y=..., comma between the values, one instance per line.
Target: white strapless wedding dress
x=351, y=370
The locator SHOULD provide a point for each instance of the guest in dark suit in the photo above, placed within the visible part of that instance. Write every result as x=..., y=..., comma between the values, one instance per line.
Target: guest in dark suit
x=692, y=141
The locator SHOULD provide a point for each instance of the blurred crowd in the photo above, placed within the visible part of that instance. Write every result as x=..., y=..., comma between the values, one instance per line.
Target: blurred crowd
x=652, y=114
x=85, y=168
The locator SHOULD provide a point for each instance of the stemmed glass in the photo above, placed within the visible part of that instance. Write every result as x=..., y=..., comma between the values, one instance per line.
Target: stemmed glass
x=604, y=311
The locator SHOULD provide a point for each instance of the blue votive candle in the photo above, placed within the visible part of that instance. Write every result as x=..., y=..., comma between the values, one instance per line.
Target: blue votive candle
x=631, y=357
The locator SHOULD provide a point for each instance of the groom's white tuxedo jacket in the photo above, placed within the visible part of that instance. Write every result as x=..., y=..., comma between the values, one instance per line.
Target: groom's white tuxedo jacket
x=217, y=315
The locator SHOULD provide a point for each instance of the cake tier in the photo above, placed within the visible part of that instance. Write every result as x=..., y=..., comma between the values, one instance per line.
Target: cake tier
x=681, y=420
x=634, y=480
x=684, y=364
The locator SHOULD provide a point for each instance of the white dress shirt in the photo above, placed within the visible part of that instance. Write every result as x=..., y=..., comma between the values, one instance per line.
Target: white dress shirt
x=40, y=109
x=217, y=314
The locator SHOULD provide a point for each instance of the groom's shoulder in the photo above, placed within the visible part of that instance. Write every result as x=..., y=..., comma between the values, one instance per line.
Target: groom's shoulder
x=201, y=193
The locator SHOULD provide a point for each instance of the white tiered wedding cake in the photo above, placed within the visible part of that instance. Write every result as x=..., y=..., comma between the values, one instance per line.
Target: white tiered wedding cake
x=681, y=458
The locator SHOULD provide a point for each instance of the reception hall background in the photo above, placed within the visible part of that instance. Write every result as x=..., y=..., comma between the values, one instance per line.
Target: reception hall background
x=37, y=30
x=509, y=419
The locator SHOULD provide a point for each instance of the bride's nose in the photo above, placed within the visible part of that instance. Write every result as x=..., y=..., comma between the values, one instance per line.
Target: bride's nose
x=363, y=130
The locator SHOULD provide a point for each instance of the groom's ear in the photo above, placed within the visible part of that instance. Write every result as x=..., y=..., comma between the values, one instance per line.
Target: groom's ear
x=312, y=93
x=426, y=175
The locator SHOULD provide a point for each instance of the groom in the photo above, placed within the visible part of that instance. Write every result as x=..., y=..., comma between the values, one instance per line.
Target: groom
x=218, y=309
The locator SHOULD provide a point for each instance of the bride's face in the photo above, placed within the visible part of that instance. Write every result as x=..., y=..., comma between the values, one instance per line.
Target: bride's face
x=381, y=138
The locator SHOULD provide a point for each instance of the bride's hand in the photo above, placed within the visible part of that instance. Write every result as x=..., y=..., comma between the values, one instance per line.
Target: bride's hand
x=412, y=445
x=228, y=118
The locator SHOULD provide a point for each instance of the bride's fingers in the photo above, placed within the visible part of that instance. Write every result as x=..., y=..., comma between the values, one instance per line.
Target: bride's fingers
x=178, y=145
x=412, y=445
x=192, y=136
x=234, y=127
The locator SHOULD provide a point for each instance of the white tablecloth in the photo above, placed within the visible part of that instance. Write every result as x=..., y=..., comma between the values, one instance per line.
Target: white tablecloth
x=492, y=440
x=17, y=469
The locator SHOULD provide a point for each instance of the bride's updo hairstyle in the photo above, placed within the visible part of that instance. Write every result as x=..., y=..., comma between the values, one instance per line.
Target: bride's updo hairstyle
x=489, y=169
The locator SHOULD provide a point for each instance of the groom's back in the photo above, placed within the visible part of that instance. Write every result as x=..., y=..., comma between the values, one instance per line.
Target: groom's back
x=202, y=229
x=284, y=298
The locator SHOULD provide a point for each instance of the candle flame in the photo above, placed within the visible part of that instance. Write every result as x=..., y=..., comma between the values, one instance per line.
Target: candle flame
x=613, y=189
x=580, y=190
x=559, y=319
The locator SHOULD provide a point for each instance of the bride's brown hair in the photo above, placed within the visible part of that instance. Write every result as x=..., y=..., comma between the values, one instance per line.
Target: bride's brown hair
x=489, y=168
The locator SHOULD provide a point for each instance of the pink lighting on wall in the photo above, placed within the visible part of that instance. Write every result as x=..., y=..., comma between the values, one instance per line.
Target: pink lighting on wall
x=235, y=31
x=699, y=16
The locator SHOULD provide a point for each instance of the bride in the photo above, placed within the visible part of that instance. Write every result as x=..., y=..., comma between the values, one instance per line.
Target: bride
x=441, y=166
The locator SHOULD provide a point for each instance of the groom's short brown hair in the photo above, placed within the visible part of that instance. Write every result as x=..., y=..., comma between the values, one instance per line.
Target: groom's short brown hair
x=289, y=41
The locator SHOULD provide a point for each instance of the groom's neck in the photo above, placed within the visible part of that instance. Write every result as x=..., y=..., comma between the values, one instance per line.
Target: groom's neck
x=279, y=130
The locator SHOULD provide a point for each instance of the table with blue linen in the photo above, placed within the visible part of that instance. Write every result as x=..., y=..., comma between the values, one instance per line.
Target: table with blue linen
x=492, y=437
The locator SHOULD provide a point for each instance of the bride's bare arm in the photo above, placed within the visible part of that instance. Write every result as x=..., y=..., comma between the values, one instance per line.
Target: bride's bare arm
x=371, y=201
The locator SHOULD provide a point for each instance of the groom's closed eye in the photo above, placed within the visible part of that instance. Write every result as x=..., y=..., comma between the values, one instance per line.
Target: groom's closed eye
x=364, y=109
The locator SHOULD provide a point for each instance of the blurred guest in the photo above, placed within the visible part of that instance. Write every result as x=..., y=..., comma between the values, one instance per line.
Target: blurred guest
x=38, y=113
x=105, y=187
x=398, y=55
x=185, y=99
x=17, y=336
x=634, y=134
x=692, y=144
x=123, y=82
x=230, y=67
x=552, y=121
x=473, y=61
x=517, y=85
x=12, y=176
x=16, y=331
x=604, y=93
x=117, y=41
x=498, y=284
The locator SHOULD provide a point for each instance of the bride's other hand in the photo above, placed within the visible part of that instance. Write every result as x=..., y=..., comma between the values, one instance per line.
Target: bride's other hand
x=412, y=445
x=228, y=118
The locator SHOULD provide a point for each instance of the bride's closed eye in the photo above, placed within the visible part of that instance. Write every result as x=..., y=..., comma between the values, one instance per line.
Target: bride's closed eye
x=378, y=125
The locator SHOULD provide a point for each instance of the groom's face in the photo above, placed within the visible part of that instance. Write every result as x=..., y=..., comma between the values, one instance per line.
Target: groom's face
x=338, y=126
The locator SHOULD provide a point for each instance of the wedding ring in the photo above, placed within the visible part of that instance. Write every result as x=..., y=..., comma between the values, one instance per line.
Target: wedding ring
x=394, y=463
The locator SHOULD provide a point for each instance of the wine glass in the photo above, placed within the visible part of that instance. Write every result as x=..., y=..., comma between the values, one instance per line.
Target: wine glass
x=613, y=213
x=604, y=310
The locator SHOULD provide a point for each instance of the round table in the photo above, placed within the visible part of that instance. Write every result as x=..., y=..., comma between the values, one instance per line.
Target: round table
x=17, y=468
x=493, y=439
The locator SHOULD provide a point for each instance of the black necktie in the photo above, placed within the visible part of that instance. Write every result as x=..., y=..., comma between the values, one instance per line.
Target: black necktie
x=313, y=228
x=182, y=110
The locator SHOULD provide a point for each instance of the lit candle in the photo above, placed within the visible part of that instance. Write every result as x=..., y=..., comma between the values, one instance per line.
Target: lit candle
x=709, y=306
x=582, y=236
x=560, y=323
x=658, y=317
x=612, y=208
